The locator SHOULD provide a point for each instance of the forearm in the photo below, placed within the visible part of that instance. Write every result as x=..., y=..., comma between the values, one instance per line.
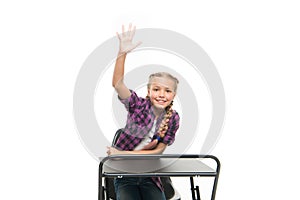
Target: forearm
x=119, y=70
x=142, y=152
x=158, y=150
x=118, y=77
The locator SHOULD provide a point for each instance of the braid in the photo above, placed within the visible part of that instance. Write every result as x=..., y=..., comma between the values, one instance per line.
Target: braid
x=164, y=124
x=163, y=128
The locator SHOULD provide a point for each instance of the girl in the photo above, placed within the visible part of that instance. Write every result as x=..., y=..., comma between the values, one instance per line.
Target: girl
x=151, y=123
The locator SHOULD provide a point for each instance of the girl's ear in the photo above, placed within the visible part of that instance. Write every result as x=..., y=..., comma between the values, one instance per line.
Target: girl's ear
x=174, y=95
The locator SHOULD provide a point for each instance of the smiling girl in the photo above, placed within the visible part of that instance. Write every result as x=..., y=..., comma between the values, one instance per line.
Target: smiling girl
x=151, y=122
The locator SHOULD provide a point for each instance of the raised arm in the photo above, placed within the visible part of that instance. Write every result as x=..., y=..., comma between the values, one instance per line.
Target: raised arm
x=126, y=45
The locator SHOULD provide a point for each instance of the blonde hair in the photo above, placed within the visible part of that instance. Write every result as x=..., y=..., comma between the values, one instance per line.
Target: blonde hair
x=163, y=75
x=169, y=111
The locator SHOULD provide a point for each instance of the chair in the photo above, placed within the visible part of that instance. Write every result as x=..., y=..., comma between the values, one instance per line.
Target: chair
x=109, y=190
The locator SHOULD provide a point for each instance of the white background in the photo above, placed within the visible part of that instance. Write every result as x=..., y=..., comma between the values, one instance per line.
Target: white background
x=255, y=46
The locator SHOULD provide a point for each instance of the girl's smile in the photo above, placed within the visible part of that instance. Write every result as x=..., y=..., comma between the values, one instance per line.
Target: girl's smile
x=161, y=92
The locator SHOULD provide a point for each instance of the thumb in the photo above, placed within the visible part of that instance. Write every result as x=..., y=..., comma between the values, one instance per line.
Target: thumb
x=129, y=49
x=138, y=44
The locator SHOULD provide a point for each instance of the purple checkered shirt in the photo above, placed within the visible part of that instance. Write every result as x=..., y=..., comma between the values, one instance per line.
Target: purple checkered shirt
x=140, y=120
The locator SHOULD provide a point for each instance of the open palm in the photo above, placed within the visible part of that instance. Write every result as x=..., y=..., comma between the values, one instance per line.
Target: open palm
x=125, y=39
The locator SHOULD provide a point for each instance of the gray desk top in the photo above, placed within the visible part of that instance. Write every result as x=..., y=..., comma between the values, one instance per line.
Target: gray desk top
x=156, y=167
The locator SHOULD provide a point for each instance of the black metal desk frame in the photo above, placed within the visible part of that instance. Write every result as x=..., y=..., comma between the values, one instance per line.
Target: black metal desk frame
x=161, y=172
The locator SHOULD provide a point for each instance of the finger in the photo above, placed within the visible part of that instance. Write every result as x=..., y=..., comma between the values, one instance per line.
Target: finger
x=128, y=32
x=137, y=44
x=123, y=30
x=118, y=35
x=130, y=26
x=132, y=32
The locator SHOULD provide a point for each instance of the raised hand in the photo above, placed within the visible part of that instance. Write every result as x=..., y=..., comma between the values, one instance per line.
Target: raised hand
x=125, y=39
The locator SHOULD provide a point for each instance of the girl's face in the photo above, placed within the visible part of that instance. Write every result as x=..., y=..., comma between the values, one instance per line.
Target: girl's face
x=161, y=92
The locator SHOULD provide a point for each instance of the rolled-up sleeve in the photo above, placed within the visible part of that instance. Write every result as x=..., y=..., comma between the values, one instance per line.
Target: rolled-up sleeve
x=173, y=127
x=131, y=102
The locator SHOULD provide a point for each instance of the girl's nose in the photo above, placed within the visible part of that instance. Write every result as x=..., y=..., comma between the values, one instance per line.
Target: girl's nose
x=161, y=94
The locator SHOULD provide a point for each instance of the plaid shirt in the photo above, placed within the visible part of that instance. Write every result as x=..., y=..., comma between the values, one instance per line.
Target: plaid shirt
x=140, y=120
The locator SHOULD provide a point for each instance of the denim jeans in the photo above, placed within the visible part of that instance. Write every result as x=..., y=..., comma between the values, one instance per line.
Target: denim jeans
x=137, y=188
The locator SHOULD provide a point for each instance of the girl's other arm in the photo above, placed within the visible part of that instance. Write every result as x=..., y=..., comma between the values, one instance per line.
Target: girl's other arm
x=158, y=150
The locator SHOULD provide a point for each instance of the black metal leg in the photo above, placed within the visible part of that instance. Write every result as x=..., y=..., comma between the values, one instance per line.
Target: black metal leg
x=213, y=195
x=195, y=190
x=192, y=188
x=198, y=193
x=100, y=188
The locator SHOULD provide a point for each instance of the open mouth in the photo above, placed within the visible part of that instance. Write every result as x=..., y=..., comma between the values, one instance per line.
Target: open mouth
x=160, y=101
